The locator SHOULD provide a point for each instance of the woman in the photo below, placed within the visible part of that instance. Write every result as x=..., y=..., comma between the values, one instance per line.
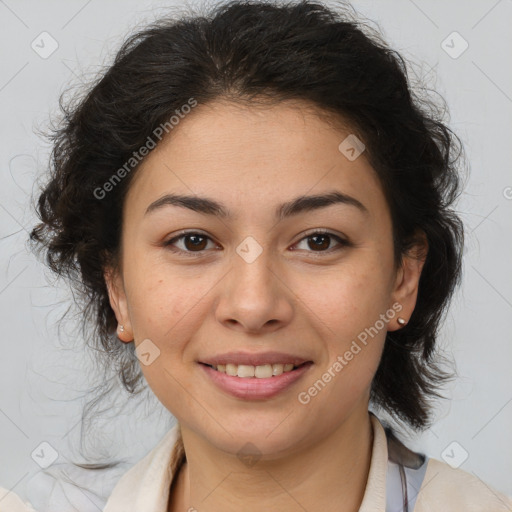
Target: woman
x=259, y=213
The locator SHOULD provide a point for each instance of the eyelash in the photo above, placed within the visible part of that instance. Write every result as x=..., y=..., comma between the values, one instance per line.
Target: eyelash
x=195, y=254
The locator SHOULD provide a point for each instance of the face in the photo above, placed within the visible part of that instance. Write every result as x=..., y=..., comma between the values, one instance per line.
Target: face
x=305, y=281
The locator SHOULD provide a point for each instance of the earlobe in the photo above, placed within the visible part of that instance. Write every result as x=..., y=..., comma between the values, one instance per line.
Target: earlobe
x=407, y=280
x=121, y=334
x=118, y=303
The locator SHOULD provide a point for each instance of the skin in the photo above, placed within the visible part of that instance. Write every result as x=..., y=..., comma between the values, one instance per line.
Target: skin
x=308, y=301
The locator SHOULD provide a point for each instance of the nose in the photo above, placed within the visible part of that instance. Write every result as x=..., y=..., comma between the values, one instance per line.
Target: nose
x=254, y=298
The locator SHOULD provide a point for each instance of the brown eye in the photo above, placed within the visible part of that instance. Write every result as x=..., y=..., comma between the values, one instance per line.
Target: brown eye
x=191, y=243
x=320, y=241
x=195, y=242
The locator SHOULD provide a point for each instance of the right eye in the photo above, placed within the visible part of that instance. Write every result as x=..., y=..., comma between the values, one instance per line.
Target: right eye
x=193, y=242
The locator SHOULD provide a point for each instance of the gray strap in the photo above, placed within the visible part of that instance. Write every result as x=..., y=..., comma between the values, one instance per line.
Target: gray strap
x=402, y=486
x=406, y=471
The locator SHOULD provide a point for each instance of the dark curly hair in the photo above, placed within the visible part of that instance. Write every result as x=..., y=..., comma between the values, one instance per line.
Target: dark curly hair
x=249, y=52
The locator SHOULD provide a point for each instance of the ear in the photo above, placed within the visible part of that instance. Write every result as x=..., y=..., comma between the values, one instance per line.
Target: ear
x=405, y=290
x=118, y=302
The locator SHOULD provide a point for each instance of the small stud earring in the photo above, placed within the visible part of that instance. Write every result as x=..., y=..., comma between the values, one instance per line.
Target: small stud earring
x=401, y=321
x=121, y=328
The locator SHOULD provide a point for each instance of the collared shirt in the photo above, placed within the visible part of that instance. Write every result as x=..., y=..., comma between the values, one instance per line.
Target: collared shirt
x=433, y=487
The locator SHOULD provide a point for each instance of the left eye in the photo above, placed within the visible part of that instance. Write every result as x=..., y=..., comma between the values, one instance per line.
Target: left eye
x=319, y=241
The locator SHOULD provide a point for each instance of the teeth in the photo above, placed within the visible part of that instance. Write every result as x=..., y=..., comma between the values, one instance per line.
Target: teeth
x=260, y=372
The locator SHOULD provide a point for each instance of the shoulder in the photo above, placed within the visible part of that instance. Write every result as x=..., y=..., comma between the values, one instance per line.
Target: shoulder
x=449, y=489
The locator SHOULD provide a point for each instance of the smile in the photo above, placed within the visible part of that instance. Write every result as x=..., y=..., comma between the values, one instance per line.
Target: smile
x=255, y=382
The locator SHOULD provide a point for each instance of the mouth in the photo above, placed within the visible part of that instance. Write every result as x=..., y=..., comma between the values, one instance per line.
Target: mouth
x=263, y=371
x=255, y=382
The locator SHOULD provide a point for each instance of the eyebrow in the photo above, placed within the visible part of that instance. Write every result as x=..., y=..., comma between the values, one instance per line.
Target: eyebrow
x=296, y=206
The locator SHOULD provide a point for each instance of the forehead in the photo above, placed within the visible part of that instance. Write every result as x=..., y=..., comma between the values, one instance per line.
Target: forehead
x=255, y=154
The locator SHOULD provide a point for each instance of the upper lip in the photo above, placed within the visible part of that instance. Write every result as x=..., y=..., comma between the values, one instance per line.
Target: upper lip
x=254, y=359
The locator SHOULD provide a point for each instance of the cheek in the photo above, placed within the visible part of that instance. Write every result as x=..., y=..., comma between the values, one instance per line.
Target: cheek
x=349, y=308
x=159, y=300
x=351, y=297
x=167, y=312
x=353, y=352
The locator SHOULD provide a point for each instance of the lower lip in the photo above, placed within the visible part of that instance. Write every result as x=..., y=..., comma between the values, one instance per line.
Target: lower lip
x=252, y=388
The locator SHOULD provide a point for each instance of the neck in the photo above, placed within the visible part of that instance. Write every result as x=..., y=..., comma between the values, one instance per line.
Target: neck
x=329, y=475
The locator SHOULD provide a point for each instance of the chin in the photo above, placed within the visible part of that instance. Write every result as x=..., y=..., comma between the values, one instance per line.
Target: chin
x=270, y=437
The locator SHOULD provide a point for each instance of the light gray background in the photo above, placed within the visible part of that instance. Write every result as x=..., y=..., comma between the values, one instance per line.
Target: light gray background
x=41, y=381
